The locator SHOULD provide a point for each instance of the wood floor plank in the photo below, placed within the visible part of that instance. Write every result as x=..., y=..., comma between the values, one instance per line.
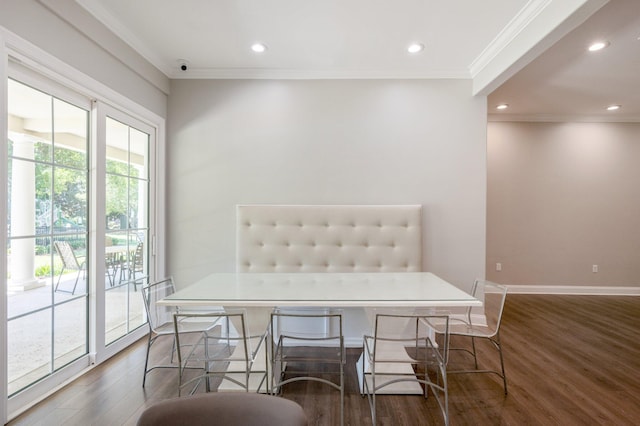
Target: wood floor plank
x=570, y=360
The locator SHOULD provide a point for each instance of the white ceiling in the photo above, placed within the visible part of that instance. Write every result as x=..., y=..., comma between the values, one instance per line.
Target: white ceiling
x=487, y=41
x=567, y=82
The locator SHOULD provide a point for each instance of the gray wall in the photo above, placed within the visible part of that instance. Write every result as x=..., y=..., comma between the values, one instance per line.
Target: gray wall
x=563, y=197
x=326, y=142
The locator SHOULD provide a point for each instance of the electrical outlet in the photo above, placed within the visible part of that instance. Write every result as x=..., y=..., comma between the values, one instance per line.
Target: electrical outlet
x=498, y=267
x=594, y=268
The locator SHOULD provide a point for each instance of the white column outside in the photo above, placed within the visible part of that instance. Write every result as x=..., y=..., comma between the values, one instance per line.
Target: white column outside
x=23, y=217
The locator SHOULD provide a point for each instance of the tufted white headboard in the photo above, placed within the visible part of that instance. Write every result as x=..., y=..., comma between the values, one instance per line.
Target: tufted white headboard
x=341, y=238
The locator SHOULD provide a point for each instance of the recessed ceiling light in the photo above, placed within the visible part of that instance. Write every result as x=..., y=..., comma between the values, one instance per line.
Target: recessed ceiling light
x=598, y=45
x=613, y=107
x=502, y=106
x=415, y=48
x=259, y=47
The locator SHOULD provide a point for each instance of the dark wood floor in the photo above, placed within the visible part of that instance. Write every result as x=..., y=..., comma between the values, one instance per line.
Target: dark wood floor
x=570, y=360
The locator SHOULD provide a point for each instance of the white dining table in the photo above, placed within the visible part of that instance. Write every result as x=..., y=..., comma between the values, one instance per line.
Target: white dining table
x=369, y=290
x=259, y=293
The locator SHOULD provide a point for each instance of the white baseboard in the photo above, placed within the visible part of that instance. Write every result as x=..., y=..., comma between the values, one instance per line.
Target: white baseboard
x=577, y=290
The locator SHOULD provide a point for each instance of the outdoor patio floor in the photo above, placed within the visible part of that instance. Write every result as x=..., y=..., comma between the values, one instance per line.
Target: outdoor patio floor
x=31, y=336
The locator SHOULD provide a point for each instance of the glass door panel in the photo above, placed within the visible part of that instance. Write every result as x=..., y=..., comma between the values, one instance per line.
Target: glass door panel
x=127, y=200
x=29, y=349
x=47, y=197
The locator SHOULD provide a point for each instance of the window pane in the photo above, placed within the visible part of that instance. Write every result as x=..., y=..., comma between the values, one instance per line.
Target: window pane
x=30, y=118
x=44, y=215
x=117, y=135
x=70, y=200
x=136, y=306
x=29, y=191
x=116, y=202
x=70, y=335
x=71, y=279
x=139, y=146
x=116, y=312
x=33, y=271
x=70, y=125
x=28, y=349
x=137, y=203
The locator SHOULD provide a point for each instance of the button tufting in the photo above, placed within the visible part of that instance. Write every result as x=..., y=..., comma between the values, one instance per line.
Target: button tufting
x=314, y=245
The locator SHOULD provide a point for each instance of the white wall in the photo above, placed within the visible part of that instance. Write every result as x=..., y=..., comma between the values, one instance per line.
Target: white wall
x=326, y=142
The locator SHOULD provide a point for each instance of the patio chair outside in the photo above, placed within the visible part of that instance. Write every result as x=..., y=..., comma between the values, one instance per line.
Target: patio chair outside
x=69, y=261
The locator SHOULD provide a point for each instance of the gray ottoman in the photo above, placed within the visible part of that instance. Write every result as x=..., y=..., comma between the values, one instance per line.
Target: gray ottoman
x=229, y=409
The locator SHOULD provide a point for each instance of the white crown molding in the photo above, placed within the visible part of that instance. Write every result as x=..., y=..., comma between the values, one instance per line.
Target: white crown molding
x=564, y=118
x=575, y=290
x=508, y=34
x=308, y=74
x=538, y=26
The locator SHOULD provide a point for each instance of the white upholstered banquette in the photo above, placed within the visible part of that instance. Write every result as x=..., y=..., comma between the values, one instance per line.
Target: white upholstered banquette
x=330, y=238
x=341, y=238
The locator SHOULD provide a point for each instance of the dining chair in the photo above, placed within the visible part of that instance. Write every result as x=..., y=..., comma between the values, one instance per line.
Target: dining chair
x=69, y=261
x=223, y=350
x=480, y=325
x=224, y=409
x=299, y=347
x=406, y=338
x=160, y=320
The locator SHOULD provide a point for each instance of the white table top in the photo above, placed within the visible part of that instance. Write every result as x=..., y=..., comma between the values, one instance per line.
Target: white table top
x=415, y=289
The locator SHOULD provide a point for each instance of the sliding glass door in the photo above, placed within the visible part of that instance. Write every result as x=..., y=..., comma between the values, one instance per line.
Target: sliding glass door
x=79, y=232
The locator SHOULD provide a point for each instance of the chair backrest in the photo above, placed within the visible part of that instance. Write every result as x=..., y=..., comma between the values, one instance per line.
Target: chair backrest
x=138, y=258
x=226, y=331
x=493, y=296
x=225, y=408
x=299, y=316
x=151, y=294
x=298, y=327
x=67, y=255
x=408, y=328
